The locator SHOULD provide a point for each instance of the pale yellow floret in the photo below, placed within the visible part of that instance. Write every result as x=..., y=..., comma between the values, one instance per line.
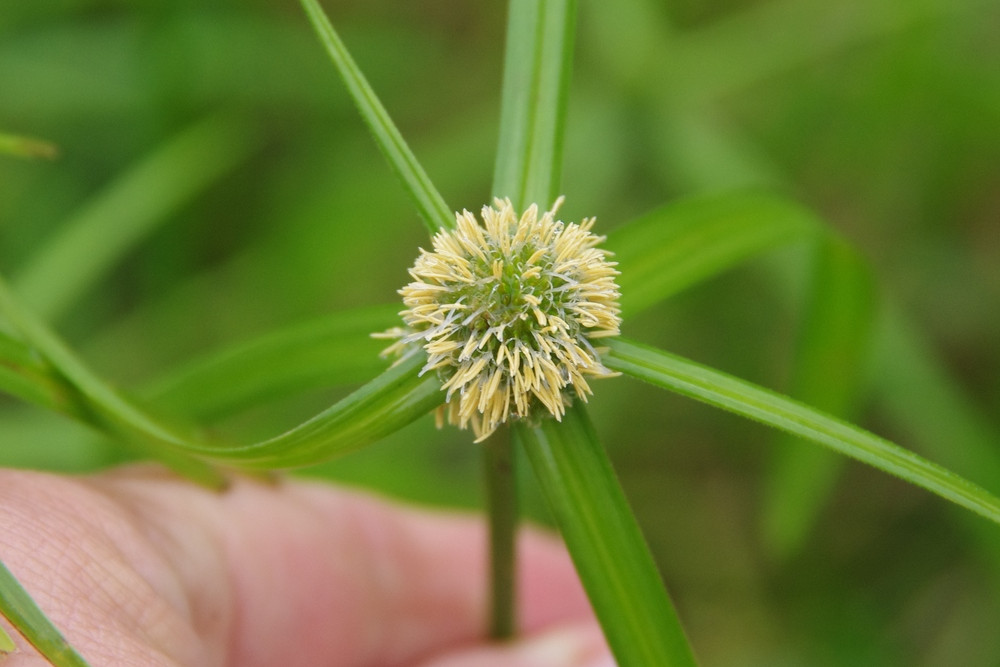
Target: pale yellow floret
x=506, y=350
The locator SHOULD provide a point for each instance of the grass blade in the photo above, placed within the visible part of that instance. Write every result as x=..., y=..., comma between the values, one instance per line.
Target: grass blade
x=103, y=407
x=24, y=376
x=605, y=542
x=682, y=243
x=430, y=205
x=533, y=110
x=744, y=398
x=108, y=226
x=326, y=352
x=921, y=399
x=828, y=372
x=387, y=403
x=384, y=405
x=18, y=607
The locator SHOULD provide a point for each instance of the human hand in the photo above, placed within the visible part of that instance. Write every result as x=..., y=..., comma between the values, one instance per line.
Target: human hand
x=138, y=568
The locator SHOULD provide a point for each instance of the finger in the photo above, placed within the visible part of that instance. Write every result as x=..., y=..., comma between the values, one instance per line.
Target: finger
x=81, y=558
x=316, y=571
x=578, y=645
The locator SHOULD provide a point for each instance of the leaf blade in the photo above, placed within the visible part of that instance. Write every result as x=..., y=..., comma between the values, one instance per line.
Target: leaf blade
x=605, y=542
x=828, y=373
x=429, y=203
x=392, y=400
x=87, y=245
x=326, y=352
x=678, y=245
x=743, y=398
x=537, y=63
x=18, y=607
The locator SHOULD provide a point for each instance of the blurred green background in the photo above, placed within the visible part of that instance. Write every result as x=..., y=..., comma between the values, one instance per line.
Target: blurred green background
x=883, y=116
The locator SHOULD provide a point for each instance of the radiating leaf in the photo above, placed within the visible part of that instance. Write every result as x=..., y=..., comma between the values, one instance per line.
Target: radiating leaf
x=537, y=62
x=428, y=201
x=605, y=542
x=922, y=400
x=102, y=405
x=744, y=398
x=7, y=644
x=18, y=607
x=88, y=245
x=681, y=243
x=384, y=405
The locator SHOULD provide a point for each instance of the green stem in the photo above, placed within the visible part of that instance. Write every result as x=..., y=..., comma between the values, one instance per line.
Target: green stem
x=501, y=502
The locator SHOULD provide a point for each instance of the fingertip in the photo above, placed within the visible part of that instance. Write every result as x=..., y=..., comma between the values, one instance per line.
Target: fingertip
x=577, y=645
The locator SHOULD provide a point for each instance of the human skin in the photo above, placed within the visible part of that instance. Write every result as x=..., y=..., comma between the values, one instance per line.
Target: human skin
x=138, y=568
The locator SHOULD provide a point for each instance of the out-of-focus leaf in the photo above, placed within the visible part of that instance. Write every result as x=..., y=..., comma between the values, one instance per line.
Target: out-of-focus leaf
x=99, y=403
x=18, y=607
x=89, y=244
x=744, y=398
x=605, y=542
x=537, y=64
x=327, y=352
x=681, y=243
x=432, y=208
x=27, y=147
x=828, y=372
x=921, y=399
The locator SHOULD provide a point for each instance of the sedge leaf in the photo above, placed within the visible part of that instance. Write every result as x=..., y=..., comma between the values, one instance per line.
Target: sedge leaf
x=18, y=607
x=604, y=541
x=679, y=244
x=386, y=404
x=537, y=62
x=744, y=398
x=430, y=205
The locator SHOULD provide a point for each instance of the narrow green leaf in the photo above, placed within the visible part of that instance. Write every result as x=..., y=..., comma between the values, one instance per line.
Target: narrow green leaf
x=537, y=67
x=921, y=399
x=430, y=205
x=605, y=542
x=102, y=406
x=384, y=405
x=687, y=241
x=18, y=607
x=744, y=398
x=24, y=376
x=85, y=248
x=27, y=147
x=327, y=352
x=7, y=644
x=828, y=373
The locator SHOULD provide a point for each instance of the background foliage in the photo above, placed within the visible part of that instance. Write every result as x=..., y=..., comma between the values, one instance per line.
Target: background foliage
x=882, y=116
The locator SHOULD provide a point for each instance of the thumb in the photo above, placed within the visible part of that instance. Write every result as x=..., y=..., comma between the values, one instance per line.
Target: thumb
x=579, y=645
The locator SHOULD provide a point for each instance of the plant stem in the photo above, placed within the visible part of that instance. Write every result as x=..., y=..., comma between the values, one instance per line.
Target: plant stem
x=501, y=503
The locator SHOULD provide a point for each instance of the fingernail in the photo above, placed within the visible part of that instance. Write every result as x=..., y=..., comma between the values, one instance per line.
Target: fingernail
x=603, y=661
x=567, y=647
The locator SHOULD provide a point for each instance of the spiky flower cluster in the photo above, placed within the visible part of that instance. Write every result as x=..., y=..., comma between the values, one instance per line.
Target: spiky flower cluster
x=507, y=312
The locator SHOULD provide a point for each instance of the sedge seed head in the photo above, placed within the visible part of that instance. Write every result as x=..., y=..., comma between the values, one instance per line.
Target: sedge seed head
x=509, y=310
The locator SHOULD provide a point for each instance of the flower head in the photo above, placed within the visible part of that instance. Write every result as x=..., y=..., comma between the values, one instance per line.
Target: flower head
x=507, y=311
